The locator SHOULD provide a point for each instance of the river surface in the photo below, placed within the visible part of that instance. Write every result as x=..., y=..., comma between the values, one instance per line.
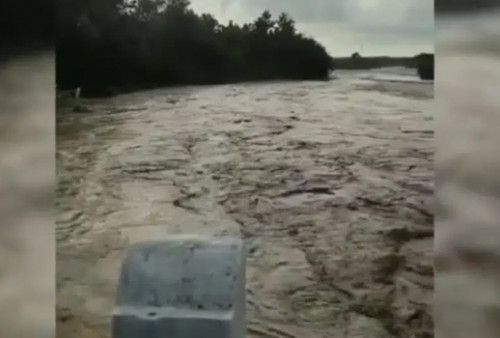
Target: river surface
x=330, y=184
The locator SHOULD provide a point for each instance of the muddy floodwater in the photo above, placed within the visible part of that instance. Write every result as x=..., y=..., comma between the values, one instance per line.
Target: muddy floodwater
x=329, y=183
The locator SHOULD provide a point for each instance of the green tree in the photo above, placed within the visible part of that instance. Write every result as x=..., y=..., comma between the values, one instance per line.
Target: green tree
x=285, y=25
x=264, y=23
x=210, y=23
x=178, y=5
x=145, y=10
x=106, y=44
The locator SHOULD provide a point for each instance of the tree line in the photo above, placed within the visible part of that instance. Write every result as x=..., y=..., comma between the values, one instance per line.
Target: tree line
x=107, y=45
x=25, y=27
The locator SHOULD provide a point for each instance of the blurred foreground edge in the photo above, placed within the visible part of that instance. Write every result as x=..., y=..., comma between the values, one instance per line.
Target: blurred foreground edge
x=27, y=167
x=467, y=228
x=182, y=288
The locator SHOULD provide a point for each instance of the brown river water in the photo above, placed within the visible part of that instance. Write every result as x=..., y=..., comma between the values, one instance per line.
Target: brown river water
x=330, y=184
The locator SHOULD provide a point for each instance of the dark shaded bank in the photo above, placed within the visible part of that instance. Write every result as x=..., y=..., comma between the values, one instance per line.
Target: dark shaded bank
x=111, y=46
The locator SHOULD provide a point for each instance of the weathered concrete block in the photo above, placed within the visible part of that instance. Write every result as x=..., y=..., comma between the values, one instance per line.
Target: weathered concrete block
x=182, y=288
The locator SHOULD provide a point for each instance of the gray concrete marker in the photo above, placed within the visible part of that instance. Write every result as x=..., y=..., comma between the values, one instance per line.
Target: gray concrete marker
x=182, y=288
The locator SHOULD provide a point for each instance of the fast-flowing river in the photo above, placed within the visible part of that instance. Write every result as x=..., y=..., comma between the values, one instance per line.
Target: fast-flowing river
x=330, y=184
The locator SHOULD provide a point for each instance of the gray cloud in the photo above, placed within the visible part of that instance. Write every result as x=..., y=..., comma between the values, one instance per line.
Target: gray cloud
x=302, y=11
x=394, y=27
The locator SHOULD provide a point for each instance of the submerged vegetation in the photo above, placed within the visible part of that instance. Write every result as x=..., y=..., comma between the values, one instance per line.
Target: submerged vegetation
x=115, y=45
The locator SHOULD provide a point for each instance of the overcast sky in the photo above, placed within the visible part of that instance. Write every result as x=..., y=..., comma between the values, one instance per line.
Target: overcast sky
x=373, y=27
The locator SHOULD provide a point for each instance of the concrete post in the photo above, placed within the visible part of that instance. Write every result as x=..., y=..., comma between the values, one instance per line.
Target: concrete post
x=182, y=288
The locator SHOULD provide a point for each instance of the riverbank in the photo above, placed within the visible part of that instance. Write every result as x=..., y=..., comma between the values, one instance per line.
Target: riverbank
x=123, y=50
x=422, y=63
x=65, y=96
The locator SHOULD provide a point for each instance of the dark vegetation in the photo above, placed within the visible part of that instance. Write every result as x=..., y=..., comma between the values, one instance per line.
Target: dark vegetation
x=467, y=7
x=425, y=66
x=25, y=27
x=105, y=46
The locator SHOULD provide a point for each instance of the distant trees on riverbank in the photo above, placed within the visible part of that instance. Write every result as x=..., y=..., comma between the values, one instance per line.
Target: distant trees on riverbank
x=356, y=61
x=423, y=63
x=105, y=44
